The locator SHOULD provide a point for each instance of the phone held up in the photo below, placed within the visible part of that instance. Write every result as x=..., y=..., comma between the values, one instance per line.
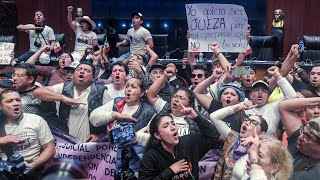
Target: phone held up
x=122, y=134
x=242, y=70
x=301, y=47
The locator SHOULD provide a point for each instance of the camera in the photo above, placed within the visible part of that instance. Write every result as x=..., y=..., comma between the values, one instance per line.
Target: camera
x=301, y=47
x=122, y=134
x=37, y=44
x=14, y=168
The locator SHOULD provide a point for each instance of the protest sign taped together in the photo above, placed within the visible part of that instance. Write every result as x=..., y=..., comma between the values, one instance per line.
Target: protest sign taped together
x=5, y=50
x=98, y=158
x=226, y=24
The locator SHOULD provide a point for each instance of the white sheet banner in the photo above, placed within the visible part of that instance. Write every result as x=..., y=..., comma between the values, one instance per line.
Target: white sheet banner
x=226, y=24
x=5, y=50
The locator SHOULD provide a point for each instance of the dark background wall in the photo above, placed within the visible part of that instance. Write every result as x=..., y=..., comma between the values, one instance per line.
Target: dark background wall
x=300, y=16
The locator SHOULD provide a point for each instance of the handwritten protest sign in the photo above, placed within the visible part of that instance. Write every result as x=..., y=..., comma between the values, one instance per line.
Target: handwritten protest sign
x=5, y=51
x=223, y=23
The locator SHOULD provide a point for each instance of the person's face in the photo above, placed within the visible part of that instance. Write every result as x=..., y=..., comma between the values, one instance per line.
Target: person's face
x=11, y=105
x=83, y=75
x=216, y=65
x=133, y=92
x=229, y=97
x=265, y=157
x=179, y=97
x=70, y=75
x=312, y=112
x=167, y=132
x=21, y=81
x=315, y=77
x=306, y=137
x=248, y=125
x=64, y=60
x=84, y=25
x=136, y=20
x=248, y=80
x=248, y=32
x=259, y=96
x=156, y=74
x=173, y=66
x=197, y=76
x=38, y=17
x=118, y=75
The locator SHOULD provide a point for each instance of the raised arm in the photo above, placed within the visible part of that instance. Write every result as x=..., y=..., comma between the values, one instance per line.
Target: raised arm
x=289, y=117
x=223, y=61
x=69, y=17
x=155, y=88
x=22, y=27
x=202, y=98
x=153, y=56
x=285, y=86
x=33, y=59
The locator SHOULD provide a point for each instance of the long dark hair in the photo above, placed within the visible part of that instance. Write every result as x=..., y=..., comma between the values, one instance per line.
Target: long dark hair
x=154, y=143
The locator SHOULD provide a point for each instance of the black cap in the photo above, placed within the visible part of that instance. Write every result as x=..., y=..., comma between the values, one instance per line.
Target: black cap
x=6, y=84
x=159, y=66
x=137, y=14
x=7, y=74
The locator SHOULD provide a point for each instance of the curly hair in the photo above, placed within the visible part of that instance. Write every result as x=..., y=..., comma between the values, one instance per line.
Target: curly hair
x=280, y=155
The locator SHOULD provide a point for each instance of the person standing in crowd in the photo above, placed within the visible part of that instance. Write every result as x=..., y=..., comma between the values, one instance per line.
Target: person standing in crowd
x=84, y=35
x=78, y=98
x=40, y=35
x=119, y=75
x=176, y=80
x=52, y=75
x=22, y=133
x=300, y=137
x=169, y=156
x=232, y=161
x=137, y=37
x=268, y=159
x=315, y=80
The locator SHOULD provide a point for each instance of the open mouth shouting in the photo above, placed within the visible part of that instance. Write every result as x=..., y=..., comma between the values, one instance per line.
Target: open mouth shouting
x=228, y=101
x=16, y=110
x=81, y=77
x=243, y=129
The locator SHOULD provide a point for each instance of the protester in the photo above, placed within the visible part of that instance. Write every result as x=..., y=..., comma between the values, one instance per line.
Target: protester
x=169, y=157
x=119, y=74
x=84, y=35
x=315, y=80
x=232, y=161
x=22, y=133
x=40, y=35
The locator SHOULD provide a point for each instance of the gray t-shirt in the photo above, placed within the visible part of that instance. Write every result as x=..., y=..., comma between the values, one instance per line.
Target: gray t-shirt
x=137, y=39
x=43, y=38
x=35, y=132
x=312, y=166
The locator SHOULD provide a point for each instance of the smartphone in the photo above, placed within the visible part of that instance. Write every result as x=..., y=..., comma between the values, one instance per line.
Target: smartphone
x=242, y=70
x=123, y=133
x=301, y=47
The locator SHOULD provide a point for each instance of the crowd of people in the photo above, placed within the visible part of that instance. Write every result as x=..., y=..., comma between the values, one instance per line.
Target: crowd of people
x=261, y=129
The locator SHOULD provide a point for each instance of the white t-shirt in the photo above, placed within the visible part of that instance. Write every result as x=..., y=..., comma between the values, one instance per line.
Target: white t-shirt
x=35, y=132
x=83, y=40
x=44, y=37
x=137, y=39
x=78, y=121
x=114, y=92
x=181, y=123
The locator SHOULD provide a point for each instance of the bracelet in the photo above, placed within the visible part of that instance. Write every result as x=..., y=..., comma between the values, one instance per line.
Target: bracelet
x=256, y=161
x=218, y=54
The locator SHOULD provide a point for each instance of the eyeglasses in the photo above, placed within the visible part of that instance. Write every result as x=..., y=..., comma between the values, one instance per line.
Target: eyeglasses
x=252, y=122
x=179, y=97
x=64, y=56
x=19, y=75
x=196, y=75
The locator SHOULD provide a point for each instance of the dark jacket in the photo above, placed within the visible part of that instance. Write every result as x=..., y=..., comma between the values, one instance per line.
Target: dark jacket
x=156, y=162
x=143, y=115
x=94, y=101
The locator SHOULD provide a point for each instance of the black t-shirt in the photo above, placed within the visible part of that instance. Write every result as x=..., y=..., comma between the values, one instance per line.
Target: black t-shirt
x=310, y=88
x=231, y=121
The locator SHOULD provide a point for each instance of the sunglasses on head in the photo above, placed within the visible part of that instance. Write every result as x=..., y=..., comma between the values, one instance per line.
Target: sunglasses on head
x=196, y=75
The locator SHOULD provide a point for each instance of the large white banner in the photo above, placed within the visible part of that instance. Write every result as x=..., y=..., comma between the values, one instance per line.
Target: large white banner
x=226, y=24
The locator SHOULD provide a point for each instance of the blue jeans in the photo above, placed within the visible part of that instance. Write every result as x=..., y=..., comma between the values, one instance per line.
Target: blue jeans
x=122, y=57
x=25, y=56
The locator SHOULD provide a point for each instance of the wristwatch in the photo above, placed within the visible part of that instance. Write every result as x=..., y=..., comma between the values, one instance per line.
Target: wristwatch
x=256, y=161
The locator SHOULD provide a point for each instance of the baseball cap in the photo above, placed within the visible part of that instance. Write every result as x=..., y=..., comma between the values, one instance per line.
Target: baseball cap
x=6, y=84
x=72, y=66
x=314, y=127
x=7, y=74
x=260, y=83
x=157, y=65
x=239, y=91
x=137, y=14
